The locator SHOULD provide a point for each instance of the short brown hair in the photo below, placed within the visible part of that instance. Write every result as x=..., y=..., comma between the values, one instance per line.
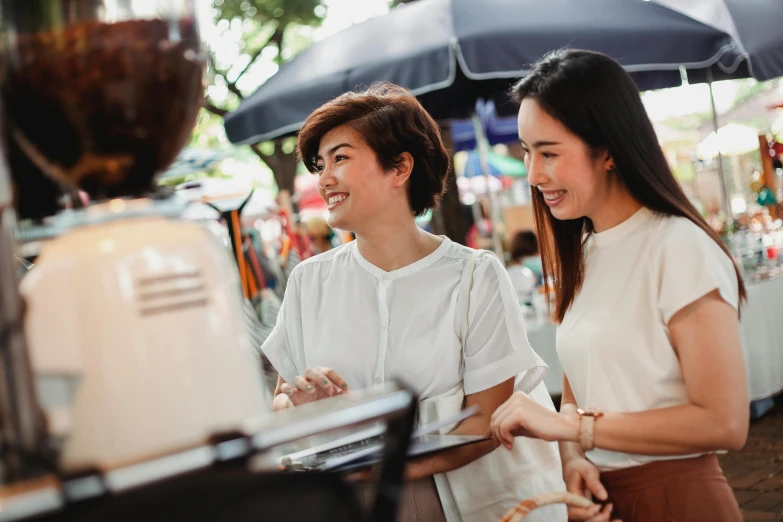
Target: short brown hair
x=391, y=121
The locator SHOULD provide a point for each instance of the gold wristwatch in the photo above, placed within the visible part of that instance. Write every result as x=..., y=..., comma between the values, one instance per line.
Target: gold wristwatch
x=586, y=426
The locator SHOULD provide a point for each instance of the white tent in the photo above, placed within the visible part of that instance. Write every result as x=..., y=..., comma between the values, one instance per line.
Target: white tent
x=730, y=140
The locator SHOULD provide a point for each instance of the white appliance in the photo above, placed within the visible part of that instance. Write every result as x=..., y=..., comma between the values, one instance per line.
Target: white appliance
x=133, y=316
x=136, y=336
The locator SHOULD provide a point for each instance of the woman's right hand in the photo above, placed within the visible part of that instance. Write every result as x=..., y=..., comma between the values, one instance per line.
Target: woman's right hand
x=317, y=383
x=583, y=478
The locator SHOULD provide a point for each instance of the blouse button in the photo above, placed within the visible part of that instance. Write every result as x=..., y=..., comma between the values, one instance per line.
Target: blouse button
x=378, y=380
x=383, y=325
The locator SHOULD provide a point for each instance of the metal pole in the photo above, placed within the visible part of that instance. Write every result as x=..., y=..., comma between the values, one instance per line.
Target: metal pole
x=494, y=207
x=721, y=171
x=22, y=425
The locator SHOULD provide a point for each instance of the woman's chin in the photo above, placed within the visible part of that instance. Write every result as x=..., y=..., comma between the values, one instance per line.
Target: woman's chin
x=564, y=213
x=336, y=220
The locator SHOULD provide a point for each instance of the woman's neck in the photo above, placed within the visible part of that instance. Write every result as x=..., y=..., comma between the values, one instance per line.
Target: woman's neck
x=615, y=209
x=396, y=245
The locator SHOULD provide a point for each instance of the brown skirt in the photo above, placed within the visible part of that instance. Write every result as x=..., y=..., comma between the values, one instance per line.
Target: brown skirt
x=419, y=503
x=686, y=490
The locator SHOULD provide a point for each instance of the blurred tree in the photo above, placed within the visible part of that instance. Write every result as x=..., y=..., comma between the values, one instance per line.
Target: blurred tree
x=265, y=32
x=749, y=87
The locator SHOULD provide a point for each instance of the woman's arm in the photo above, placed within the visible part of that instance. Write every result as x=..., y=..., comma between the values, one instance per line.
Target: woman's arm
x=705, y=335
x=580, y=475
x=487, y=401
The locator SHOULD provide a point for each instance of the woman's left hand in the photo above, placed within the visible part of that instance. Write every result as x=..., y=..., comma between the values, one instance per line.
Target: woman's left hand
x=521, y=416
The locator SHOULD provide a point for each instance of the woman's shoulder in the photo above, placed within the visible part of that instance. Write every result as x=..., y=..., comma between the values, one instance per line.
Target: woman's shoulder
x=678, y=238
x=326, y=259
x=679, y=232
x=461, y=254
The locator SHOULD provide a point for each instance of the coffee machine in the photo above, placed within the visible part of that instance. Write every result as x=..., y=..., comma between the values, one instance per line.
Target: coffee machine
x=133, y=316
x=128, y=385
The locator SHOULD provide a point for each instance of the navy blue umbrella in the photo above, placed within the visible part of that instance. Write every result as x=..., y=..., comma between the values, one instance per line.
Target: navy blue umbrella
x=452, y=52
x=496, y=129
x=756, y=27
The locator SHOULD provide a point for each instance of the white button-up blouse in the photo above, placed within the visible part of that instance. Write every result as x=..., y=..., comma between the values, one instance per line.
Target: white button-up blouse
x=371, y=326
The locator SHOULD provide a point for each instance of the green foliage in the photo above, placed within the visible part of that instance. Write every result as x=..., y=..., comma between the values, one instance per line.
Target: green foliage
x=282, y=12
x=259, y=35
x=684, y=172
x=193, y=176
x=209, y=132
x=748, y=88
x=263, y=31
x=689, y=121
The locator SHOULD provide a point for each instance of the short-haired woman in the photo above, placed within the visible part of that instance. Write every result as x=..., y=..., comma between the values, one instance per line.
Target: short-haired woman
x=646, y=297
x=385, y=305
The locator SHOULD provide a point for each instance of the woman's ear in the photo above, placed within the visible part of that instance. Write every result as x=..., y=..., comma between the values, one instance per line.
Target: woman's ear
x=402, y=172
x=609, y=163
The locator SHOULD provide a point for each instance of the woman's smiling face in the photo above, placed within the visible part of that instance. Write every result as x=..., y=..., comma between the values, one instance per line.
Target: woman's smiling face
x=572, y=179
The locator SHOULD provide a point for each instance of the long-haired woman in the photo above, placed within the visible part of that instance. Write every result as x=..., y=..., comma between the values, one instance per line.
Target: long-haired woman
x=646, y=299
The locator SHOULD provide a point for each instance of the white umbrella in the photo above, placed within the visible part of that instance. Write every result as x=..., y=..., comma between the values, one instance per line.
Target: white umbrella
x=730, y=140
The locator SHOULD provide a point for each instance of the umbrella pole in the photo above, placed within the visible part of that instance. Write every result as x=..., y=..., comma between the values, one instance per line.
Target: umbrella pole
x=721, y=171
x=494, y=207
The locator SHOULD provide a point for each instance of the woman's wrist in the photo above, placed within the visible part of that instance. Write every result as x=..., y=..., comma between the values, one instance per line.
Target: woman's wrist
x=570, y=421
x=570, y=451
x=423, y=467
x=568, y=407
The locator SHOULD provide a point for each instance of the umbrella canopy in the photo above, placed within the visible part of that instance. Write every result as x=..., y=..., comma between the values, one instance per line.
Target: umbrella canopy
x=497, y=129
x=756, y=27
x=452, y=52
x=498, y=165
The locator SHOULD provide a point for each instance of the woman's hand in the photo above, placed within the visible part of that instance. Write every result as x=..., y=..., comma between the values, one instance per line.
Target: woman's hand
x=317, y=383
x=583, y=478
x=521, y=416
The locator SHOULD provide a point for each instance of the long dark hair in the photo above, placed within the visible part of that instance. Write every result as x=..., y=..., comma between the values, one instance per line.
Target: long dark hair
x=598, y=101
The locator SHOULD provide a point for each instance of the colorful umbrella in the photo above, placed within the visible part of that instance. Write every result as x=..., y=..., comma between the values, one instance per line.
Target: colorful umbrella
x=307, y=197
x=499, y=165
